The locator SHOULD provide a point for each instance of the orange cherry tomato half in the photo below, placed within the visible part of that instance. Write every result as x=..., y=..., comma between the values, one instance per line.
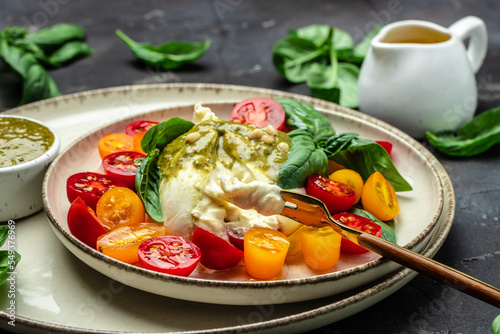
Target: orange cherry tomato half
x=216, y=253
x=120, y=206
x=139, y=127
x=259, y=111
x=337, y=196
x=379, y=197
x=360, y=223
x=122, y=165
x=351, y=178
x=320, y=247
x=115, y=142
x=123, y=243
x=83, y=223
x=90, y=187
x=137, y=142
x=169, y=254
x=265, y=252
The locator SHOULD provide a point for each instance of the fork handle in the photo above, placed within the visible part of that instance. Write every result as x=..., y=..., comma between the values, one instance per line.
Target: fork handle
x=440, y=272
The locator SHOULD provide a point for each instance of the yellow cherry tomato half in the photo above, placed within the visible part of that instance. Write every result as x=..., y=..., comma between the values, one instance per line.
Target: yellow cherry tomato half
x=265, y=252
x=120, y=207
x=295, y=240
x=379, y=198
x=320, y=247
x=123, y=243
x=350, y=177
x=115, y=142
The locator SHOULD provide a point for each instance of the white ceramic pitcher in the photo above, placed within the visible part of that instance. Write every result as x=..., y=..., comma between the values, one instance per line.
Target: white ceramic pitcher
x=419, y=76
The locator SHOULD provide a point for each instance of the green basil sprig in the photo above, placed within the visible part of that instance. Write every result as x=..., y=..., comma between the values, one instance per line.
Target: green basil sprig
x=148, y=177
x=8, y=259
x=167, y=56
x=27, y=54
x=388, y=230
x=314, y=142
x=495, y=326
x=474, y=137
x=326, y=59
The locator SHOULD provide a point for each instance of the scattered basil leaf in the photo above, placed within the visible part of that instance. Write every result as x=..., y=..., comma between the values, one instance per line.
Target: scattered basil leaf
x=317, y=34
x=68, y=52
x=159, y=135
x=167, y=56
x=52, y=38
x=366, y=157
x=8, y=259
x=495, y=326
x=388, y=230
x=359, y=52
x=347, y=84
x=474, y=137
x=147, y=183
x=342, y=44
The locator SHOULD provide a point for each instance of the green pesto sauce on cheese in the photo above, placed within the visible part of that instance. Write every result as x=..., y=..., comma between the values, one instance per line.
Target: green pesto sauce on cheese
x=22, y=140
x=227, y=143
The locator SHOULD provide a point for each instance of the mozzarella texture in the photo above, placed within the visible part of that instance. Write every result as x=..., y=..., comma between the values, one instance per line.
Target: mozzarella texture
x=192, y=166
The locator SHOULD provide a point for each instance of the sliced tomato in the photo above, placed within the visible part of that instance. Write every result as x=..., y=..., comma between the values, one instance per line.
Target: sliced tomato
x=83, y=223
x=123, y=166
x=120, y=206
x=115, y=142
x=337, y=196
x=235, y=235
x=379, y=198
x=265, y=252
x=320, y=247
x=123, y=243
x=139, y=126
x=169, y=254
x=359, y=223
x=137, y=142
x=350, y=177
x=259, y=111
x=216, y=253
x=386, y=145
x=90, y=187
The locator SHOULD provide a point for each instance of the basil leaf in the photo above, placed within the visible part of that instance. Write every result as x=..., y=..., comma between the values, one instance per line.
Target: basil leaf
x=52, y=38
x=301, y=115
x=158, y=136
x=304, y=159
x=69, y=51
x=147, y=183
x=360, y=50
x=388, y=230
x=317, y=34
x=337, y=142
x=167, y=56
x=37, y=84
x=474, y=137
x=347, y=83
x=8, y=263
x=4, y=233
x=366, y=157
x=342, y=44
x=495, y=326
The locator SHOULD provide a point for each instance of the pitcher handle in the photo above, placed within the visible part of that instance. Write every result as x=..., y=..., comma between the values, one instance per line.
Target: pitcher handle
x=472, y=27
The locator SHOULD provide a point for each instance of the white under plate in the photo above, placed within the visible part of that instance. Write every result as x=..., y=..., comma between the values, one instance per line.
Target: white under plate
x=54, y=289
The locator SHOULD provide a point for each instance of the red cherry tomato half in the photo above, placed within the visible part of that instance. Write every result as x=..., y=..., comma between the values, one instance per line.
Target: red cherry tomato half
x=169, y=254
x=90, y=186
x=139, y=126
x=259, y=111
x=337, y=196
x=386, y=145
x=235, y=235
x=359, y=223
x=216, y=253
x=84, y=224
x=123, y=166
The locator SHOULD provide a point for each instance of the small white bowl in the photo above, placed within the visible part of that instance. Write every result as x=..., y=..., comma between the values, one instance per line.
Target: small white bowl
x=21, y=184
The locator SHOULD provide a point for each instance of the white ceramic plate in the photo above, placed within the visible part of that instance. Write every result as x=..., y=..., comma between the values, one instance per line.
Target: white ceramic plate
x=56, y=292
x=420, y=210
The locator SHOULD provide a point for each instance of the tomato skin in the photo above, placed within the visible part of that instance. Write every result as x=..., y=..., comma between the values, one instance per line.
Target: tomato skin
x=360, y=223
x=379, y=197
x=90, y=187
x=320, y=247
x=169, y=254
x=216, y=253
x=137, y=146
x=265, y=252
x=115, y=142
x=141, y=126
x=123, y=243
x=259, y=111
x=83, y=223
x=337, y=196
x=351, y=178
x=386, y=145
x=235, y=235
x=122, y=165
x=120, y=206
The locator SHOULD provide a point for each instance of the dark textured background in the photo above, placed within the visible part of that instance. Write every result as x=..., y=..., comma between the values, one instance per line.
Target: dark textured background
x=243, y=33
